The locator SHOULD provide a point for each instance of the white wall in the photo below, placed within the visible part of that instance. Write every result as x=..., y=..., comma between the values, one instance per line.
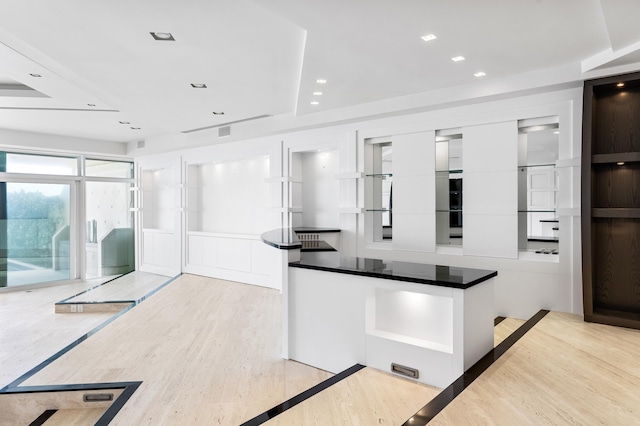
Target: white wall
x=490, y=190
x=320, y=190
x=229, y=201
x=234, y=196
x=524, y=284
x=13, y=139
x=414, y=199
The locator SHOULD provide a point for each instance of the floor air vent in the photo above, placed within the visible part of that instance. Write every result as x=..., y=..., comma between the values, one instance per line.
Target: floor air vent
x=405, y=371
x=97, y=397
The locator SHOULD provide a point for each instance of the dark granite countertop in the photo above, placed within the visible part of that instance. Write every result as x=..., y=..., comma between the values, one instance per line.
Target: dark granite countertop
x=286, y=238
x=314, y=230
x=283, y=239
x=444, y=276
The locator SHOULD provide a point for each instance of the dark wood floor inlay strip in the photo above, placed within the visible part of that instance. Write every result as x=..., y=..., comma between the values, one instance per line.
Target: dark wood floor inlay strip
x=498, y=320
x=42, y=418
x=117, y=405
x=279, y=409
x=436, y=405
x=84, y=337
x=93, y=288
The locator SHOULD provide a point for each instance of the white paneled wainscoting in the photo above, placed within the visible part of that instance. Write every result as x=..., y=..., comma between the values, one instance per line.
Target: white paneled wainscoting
x=242, y=258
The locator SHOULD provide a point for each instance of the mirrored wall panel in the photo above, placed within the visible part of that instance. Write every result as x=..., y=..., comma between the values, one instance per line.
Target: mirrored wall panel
x=380, y=183
x=449, y=187
x=538, y=223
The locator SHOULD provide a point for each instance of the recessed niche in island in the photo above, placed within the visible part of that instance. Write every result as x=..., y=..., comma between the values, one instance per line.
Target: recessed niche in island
x=411, y=317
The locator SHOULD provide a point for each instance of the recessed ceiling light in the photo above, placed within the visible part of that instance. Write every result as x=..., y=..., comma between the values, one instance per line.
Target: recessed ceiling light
x=620, y=163
x=480, y=74
x=321, y=81
x=429, y=37
x=620, y=84
x=315, y=103
x=124, y=122
x=457, y=58
x=135, y=128
x=317, y=93
x=198, y=85
x=35, y=75
x=218, y=113
x=557, y=132
x=162, y=36
x=91, y=104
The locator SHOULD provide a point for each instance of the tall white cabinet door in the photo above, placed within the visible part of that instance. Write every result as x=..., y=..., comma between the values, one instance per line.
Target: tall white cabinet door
x=414, y=199
x=490, y=196
x=159, y=242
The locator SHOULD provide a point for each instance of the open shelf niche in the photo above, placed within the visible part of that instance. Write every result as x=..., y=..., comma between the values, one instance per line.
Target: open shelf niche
x=611, y=200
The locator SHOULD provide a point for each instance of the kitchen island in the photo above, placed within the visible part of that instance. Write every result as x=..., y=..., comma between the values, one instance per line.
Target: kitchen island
x=427, y=322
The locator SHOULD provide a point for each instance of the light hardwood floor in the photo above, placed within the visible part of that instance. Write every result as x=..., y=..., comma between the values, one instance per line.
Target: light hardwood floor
x=563, y=371
x=30, y=330
x=131, y=286
x=207, y=352
x=368, y=397
x=504, y=329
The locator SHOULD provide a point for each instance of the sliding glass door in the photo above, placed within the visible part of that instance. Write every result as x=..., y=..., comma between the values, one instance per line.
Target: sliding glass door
x=110, y=248
x=64, y=218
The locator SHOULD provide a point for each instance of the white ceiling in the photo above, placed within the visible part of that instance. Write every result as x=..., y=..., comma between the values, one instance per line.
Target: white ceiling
x=99, y=65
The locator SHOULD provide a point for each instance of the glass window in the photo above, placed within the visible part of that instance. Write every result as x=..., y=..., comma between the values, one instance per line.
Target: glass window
x=35, y=241
x=106, y=168
x=40, y=164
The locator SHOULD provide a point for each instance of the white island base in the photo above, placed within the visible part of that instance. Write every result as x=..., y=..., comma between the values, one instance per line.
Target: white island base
x=334, y=320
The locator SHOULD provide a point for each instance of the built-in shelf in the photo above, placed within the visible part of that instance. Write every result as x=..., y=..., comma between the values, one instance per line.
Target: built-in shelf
x=536, y=211
x=413, y=341
x=378, y=210
x=625, y=157
x=351, y=210
x=381, y=175
x=349, y=175
x=610, y=202
x=282, y=179
x=287, y=209
x=616, y=212
x=534, y=166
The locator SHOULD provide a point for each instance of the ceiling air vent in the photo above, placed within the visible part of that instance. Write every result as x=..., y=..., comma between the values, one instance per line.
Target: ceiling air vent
x=224, y=131
x=227, y=124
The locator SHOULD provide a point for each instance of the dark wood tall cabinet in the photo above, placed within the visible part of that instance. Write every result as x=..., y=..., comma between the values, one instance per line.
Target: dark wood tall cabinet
x=611, y=200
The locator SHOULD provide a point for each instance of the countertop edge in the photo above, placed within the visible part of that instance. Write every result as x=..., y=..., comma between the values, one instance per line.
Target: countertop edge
x=489, y=275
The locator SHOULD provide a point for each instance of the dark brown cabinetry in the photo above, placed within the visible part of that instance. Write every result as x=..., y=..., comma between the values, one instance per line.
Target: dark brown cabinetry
x=611, y=200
